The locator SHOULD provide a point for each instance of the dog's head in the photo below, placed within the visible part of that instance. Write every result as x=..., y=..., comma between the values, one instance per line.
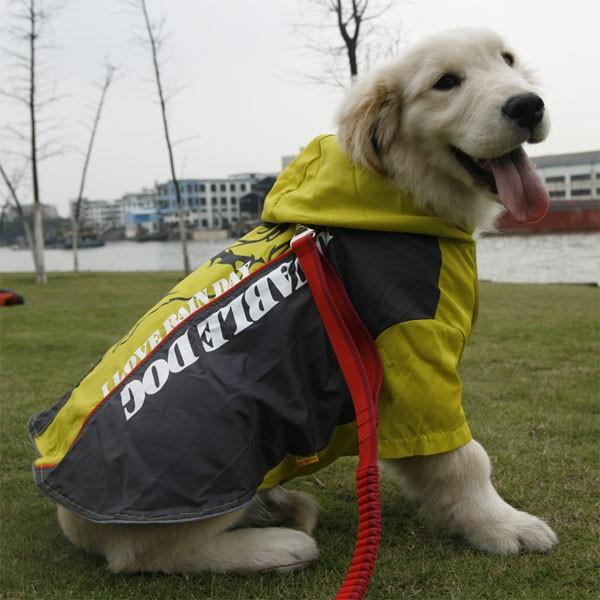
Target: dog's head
x=446, y=122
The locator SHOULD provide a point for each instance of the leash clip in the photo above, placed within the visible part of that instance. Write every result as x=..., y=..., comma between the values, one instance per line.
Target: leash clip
x=302, y=232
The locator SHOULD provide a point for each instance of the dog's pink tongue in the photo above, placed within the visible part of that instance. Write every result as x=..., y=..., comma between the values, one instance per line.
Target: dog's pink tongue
x=520, y=188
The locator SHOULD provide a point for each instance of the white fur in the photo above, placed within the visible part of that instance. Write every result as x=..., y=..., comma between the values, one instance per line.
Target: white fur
x=456, y=490
x=209, y=545
x=413, y=125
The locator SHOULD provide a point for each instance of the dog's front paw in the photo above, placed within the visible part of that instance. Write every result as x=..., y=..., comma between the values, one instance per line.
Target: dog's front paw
x=288, y=550
x=510, y=532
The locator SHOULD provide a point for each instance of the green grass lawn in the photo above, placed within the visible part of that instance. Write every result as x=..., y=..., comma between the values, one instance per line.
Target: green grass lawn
x=531, y=395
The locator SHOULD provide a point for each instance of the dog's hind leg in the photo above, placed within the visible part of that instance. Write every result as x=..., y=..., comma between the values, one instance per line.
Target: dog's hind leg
x=278, y=549
x=455, y=488
x=207, y=545
x=278, y=507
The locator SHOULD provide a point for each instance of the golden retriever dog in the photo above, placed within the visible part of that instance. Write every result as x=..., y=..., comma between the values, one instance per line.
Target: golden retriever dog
x=445, y=122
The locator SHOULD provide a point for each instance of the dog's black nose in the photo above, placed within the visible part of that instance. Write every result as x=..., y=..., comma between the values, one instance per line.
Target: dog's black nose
x=526, y=110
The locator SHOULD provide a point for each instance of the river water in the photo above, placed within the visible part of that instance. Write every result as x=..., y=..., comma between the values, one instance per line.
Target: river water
x=572, y=258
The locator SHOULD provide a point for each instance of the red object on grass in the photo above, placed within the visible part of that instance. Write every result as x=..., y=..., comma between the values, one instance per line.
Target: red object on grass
x=360, y=363
x=10, y=298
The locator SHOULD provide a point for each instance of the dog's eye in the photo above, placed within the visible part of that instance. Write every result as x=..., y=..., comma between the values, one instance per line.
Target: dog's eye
x=447, y=82
x=509, y=59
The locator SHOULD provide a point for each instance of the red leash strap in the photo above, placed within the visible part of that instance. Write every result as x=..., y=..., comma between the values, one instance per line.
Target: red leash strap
x=360, y=363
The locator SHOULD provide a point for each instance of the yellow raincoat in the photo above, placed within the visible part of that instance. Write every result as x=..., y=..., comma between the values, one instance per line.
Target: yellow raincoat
x=228, y=384
x=420, y=405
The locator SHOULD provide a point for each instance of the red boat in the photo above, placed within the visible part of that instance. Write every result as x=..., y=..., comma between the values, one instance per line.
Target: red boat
x=564, y=216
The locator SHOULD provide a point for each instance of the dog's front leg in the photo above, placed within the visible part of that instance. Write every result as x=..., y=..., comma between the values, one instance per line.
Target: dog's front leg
x=455, y=488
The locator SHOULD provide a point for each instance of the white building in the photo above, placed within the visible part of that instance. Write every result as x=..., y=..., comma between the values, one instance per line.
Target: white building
x=207, y=203
x=140, y=224
x=103, y=215
x=134, y=203
x=573, y=176
x=99, y=214
x=48, y=211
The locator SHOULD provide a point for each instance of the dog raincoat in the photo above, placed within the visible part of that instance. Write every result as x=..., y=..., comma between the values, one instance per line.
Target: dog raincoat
x=229, y=384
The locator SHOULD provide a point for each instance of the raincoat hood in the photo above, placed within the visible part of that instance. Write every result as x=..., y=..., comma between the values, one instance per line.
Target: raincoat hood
x=322, y=186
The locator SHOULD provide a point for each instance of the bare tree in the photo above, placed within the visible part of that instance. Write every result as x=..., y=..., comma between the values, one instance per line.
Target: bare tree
x=154, y=40
x=11, y=186
x=108, y=79
x=363, y=39
x=350, y=27
x=29, y=21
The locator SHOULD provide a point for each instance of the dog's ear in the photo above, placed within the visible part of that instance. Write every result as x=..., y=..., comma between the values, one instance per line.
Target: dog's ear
x=368, y=121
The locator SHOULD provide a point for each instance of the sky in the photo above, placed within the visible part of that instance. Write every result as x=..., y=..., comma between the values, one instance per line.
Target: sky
x=242, y=101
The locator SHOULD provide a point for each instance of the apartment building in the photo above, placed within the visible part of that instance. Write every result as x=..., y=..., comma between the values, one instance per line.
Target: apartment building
x=145, y=201
x=207, y=203
x=99, y=214
x=574, y=176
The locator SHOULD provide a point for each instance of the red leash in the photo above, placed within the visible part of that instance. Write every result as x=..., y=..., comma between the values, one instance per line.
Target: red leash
x=360, y=363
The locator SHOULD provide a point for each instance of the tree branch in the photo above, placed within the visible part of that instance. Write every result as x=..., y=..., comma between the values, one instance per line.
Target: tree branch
x=155, y=40
x=349, y=18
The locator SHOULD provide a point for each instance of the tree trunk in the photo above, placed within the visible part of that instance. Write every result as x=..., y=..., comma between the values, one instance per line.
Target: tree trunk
x=38, y=244
x=38, y=227
x=28, y=233
x=352, y=60
x=26, y=226
x=75, y=230
x=183, y=237
x=110, y=70
x=163, y=108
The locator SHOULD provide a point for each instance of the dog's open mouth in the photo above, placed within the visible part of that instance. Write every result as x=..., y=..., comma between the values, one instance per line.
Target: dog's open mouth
x=513, y=178
x=480, y=175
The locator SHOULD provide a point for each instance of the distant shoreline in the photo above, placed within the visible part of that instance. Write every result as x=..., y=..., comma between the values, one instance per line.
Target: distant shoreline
x=547, y=258
x=27, y=275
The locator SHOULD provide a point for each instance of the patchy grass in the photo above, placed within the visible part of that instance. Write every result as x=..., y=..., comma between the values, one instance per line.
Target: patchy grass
x=531, y=394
